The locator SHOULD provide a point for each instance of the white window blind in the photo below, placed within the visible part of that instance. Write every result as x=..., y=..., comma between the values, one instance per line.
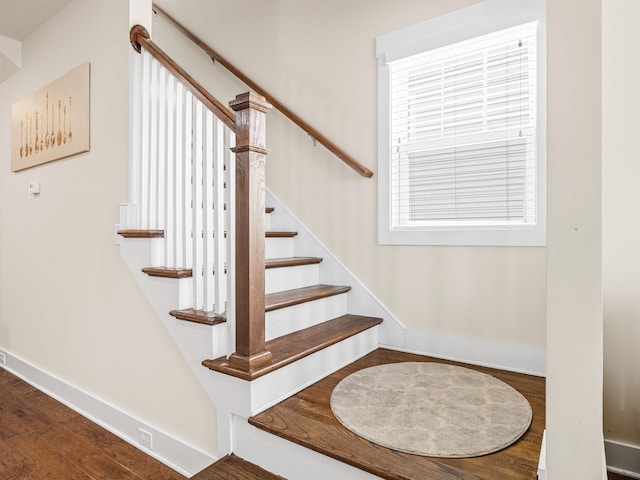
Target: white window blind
x=463, y=134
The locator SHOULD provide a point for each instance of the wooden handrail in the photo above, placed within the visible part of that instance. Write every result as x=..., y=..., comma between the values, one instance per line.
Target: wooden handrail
x=315, y=134
x=140, y=38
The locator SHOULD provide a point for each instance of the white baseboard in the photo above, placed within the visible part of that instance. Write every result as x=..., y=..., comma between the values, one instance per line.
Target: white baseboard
x=514, y=358
x=623, y=458
x=174, y=453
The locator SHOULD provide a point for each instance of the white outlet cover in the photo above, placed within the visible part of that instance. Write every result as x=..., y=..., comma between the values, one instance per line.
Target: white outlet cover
x=146, y=438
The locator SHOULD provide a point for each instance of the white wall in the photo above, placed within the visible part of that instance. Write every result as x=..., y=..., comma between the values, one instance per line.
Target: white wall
x=621, y=220
x=68, y=305
x=574, y=250
x=318, y=58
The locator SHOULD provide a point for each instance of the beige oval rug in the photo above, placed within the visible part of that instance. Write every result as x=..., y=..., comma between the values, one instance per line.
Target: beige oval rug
x=431, y=409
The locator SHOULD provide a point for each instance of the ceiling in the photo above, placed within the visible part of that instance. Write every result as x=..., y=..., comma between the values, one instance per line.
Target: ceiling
x=18, y=18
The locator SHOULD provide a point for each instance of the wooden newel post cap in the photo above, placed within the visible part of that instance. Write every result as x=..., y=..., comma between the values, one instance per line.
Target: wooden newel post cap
x=250, y=100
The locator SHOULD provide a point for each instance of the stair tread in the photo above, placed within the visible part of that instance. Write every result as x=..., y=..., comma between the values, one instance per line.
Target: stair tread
x=273, y=301
x=160, y=234
x=129, y=233
x=294, y=346
x=167, y=272
x=288, y=298
x=198, y=316
x=290, y=261
x=280, y=234
x=175, y=272
x=307, y=420
x=231, y=467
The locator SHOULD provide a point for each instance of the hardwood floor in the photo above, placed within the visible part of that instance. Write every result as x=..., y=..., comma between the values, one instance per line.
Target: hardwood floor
x=234, y=468
x=306, y=419
x=616, y=476
x=42, y=439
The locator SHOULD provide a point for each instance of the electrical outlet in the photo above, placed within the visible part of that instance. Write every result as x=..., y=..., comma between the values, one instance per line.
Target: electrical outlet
x=3, y=358
x=146, y=438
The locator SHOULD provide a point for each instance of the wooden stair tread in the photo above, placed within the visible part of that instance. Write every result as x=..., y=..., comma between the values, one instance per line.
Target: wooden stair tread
x=287, y=298
x=306, y=419
x=290, y=261
x=198, y=316
x=174, y=272
x=272, y=234
x=167, y=272
x=268, y=209
x=141, y=233
x=294, y=346
x=231, y=467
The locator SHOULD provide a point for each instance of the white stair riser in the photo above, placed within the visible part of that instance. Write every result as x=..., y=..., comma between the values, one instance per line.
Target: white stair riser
x=290, y=319
x=267, y=221
x=282, y=383
x=278, y=247
x=269, y=452
x=287, y=278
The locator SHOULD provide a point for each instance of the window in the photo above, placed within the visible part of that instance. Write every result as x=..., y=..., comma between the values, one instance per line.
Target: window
x=461, y=136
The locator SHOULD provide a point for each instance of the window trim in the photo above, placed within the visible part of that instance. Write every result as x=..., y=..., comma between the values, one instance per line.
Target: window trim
x=470, y=22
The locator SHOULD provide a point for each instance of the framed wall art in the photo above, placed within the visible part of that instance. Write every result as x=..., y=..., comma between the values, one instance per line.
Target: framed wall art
x=52, y=123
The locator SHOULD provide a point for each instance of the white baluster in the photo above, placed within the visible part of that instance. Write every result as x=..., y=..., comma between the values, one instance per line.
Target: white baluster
x=169, y=172
x=161, y=159
x=198, y=240
x=179, y=178
x=145, y=154
x=188, y=180
x=219, y=260
x=230, y=195
x=207, y=213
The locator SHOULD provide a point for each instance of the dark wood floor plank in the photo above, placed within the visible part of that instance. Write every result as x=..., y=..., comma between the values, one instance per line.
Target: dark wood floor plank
x=617, y=476
x=56, y=411
x=42, y=462
x=234, y=468
x=306, y=419
x=84, y=455
x=41, y=439
x=140, y=463
x=13, y=464
x=18, y=417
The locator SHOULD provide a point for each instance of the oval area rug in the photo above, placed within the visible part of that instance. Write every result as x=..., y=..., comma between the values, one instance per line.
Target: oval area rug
x=431, y=409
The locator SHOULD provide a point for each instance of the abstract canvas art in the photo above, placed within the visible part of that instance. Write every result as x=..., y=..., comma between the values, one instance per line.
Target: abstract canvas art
x=53, y=122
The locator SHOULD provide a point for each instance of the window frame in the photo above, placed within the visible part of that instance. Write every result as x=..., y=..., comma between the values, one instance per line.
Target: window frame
x=464, y=24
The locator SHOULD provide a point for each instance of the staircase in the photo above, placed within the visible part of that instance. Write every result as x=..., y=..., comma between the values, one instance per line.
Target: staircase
x=258, y=307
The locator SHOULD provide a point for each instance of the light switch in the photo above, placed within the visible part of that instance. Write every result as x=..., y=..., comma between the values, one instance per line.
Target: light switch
x=34, y=187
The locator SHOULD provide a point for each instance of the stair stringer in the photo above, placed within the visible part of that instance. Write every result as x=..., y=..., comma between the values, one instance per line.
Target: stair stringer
x=195, y=341
x=233, y=398
x=332, y=271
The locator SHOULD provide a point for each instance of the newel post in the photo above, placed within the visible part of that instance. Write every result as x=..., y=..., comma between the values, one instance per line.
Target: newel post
x=250, y=153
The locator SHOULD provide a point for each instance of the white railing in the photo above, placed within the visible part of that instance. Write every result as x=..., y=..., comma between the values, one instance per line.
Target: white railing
x=180, y=182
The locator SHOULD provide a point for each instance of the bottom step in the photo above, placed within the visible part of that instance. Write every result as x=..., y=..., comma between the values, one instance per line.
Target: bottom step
x=306, y=419
x=234, y=468
x=294, y=346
